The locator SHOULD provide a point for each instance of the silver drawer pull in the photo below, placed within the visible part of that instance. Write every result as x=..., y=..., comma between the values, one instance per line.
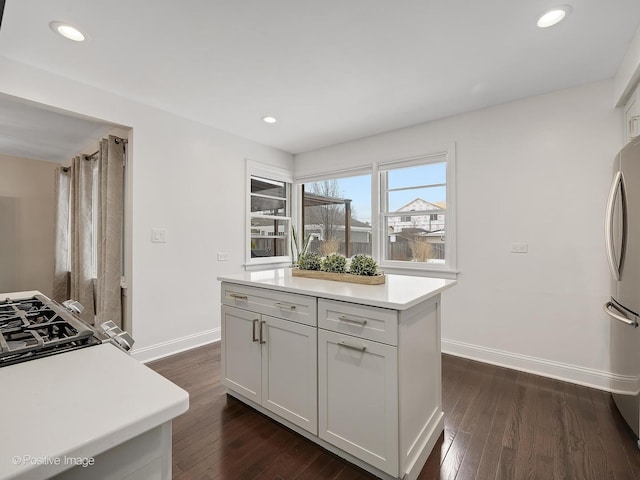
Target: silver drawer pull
x=285, y=306
x=262, y=340
x=360, y=348
x=253, y=330
x=344, y=318
x=238, y=296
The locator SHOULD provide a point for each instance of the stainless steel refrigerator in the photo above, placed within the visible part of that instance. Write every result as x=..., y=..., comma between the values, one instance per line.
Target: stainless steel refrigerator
x=622, y=235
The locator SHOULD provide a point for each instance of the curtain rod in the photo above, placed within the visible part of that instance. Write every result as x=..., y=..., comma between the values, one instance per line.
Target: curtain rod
x=118, y=141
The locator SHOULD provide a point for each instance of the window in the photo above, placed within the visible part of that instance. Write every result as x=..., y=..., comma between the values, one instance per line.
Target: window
x=269, y=222
x=336, y=214
x=416, y=212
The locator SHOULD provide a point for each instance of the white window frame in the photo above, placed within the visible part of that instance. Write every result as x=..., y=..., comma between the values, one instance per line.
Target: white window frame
x=446, y=154
x=271, y=172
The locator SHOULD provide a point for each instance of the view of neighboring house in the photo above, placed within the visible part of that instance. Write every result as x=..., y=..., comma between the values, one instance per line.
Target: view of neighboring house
x=431, y=222
x=407, y=232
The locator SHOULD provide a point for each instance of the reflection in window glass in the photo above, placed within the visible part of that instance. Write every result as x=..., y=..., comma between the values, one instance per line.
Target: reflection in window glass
x=271, y=188
x=269, y=218
x=268, y=206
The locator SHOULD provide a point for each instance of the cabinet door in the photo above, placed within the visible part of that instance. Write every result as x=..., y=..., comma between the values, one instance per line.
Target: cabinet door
x=631, y=117
x=289, y=371
x=358, y=398
x=241, y=352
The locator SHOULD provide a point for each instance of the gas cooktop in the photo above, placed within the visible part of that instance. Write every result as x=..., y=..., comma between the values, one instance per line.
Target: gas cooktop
x=37, y=327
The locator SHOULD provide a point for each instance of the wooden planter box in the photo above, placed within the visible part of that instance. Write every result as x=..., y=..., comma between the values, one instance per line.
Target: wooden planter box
x=340, y=277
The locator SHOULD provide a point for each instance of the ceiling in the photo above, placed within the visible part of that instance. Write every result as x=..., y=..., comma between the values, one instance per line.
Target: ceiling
x=29, y=130
x=330, y=70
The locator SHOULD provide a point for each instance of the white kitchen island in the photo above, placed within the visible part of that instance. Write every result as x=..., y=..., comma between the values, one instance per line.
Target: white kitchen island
x=354, y=368
x=91, y=413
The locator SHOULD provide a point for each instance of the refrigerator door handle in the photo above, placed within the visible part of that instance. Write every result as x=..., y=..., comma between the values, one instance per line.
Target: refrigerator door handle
x=615, y=265
x=618, y=315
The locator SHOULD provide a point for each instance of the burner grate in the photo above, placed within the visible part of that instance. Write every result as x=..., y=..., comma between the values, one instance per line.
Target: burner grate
x=37, y=327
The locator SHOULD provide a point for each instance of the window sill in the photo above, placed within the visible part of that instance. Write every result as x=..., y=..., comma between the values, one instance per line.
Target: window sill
x=422, y=271
x=267, y=265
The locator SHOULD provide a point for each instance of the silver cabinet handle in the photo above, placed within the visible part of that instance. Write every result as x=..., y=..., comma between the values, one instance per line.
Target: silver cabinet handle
x=615, y=265
x=253, y=330
x=344, y=318
x=285, y=306
x=607, y=309
x=262, y=340
x=360, y=348
x=238, y=296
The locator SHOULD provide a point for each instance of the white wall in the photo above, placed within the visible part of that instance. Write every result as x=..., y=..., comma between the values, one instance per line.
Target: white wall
x=185, y=177
x=628, y=72
x=26, y=224
x=535, y=171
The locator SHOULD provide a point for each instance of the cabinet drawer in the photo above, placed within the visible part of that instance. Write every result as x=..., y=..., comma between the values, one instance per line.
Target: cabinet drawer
x=372, y=323
x=290, y=306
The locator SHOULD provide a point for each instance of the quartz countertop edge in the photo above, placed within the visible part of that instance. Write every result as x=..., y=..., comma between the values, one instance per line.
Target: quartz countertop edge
x=399, y=292
x=86, y=402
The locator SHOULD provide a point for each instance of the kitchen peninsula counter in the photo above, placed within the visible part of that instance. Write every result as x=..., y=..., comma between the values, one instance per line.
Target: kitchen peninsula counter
x=354, y=368
x=93, y=405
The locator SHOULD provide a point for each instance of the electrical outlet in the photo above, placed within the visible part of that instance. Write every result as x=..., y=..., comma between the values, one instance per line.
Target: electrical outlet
x=159, y=235
x=223, y=257
x=519, y=247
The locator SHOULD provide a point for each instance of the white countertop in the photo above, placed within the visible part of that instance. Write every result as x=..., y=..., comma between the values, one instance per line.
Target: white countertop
x=400, y=292
x=19, y=295
x=78, y=404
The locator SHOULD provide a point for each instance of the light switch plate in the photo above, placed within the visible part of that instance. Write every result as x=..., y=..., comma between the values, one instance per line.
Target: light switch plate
x=223, y=257
x=159, y=235
x=519, y=247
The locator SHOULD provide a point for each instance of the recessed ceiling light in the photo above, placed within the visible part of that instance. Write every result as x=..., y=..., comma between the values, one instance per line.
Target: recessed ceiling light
x=68, y=31
x=551, y=17
x=269, y=119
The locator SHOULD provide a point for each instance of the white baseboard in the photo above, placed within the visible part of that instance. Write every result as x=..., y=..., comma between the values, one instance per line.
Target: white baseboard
x=160, y=350
x=587, y=377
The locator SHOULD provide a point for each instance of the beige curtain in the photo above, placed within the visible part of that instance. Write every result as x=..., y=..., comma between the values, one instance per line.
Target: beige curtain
x=110, y=230
x=61, y=269
x=89, y=232
x=82, y=287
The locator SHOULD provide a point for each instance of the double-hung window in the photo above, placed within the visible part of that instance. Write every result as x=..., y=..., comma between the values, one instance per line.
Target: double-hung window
x=417, y=212
x=269, y=222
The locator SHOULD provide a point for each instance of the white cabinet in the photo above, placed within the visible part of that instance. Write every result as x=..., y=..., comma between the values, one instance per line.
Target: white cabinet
x=358, y=398
x=272, y=362
x=632, y=116
x=360, y=379
x=242, y=352
x=379, y=383
x=289, y=374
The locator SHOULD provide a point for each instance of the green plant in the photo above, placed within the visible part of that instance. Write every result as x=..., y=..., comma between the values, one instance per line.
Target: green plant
x=334, y=263
x=363, y=265
x=309, y=261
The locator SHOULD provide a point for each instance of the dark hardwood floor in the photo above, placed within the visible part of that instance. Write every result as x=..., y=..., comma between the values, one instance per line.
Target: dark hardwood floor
x=499, y=424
